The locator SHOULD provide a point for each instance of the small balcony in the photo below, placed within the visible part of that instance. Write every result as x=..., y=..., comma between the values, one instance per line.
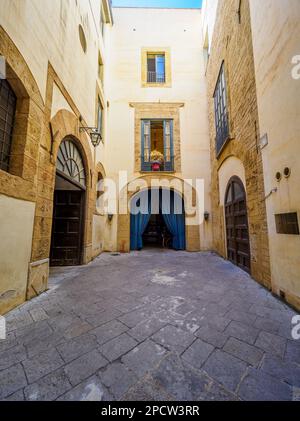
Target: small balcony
x=155, y=77
x=154, y=166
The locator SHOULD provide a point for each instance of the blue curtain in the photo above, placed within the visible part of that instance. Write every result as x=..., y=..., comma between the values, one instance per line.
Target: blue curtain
x=139, y=222
x=172, y=211
x=175, y=222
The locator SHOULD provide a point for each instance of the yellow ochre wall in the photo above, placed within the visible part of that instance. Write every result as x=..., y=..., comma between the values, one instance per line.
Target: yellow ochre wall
x=276, y=36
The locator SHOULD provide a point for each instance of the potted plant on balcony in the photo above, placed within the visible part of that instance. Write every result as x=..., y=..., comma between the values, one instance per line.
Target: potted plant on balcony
x=157, y=160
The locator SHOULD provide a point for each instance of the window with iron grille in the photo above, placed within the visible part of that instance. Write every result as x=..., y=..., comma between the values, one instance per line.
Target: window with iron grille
x=156, y=68
x=287, y=223
x=8, y=102
x=221, y=111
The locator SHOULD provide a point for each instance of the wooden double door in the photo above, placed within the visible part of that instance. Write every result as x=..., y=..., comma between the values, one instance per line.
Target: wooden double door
x=67, y=228
x=237, y=231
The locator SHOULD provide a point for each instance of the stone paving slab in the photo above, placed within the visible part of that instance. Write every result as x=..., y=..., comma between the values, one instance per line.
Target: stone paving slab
x=152, y=325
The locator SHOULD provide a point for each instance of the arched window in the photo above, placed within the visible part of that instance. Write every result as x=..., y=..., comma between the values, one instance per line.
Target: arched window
x=8, y=102
x=70, y=163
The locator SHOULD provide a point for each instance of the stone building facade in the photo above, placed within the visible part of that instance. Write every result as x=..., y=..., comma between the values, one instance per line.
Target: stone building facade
x=213, y=101
x=57, y=87
x=240, y=155
x=276, y=36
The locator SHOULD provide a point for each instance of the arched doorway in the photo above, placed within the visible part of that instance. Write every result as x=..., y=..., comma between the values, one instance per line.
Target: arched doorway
x=157, y=217
x=68, y=206
x=238, y=245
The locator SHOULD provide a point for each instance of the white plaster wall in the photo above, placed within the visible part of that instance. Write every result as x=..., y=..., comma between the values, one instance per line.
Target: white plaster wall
x=209, y=14
x=180, y=30
x=59, y=102
x=16, y=225
x=48, y=31
x=276, y=39
x=231, y=167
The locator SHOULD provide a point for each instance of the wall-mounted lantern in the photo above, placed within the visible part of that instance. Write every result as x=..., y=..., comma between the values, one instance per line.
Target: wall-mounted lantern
x=110, y=217
x=95, y=135
x=206, y=216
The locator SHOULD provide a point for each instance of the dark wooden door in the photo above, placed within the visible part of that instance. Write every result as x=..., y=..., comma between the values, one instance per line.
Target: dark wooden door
x=238, y=245
x=66, y=247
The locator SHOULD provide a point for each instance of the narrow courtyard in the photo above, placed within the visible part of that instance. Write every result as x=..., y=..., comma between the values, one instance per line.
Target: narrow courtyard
x=151, y=325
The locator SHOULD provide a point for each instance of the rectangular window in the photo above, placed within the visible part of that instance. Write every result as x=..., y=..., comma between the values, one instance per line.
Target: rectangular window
x=100, y=117
x=102, y=22
x=100, y=68
x=156, y=68
x=157, y=145
x=221, y=111
x=287, y=223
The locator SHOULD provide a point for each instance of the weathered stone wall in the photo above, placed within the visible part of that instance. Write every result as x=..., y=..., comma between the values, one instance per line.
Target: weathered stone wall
x=57, y=87
x=276, y=34
x=193, y=242
x=232, y=43
x=21, y=182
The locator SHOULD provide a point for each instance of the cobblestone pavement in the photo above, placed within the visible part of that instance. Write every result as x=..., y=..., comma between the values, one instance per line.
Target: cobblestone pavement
x=154, y=325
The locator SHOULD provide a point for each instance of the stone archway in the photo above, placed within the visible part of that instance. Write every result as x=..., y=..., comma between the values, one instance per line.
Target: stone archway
x=192, y=228
x=64, y=124
x=68, y=206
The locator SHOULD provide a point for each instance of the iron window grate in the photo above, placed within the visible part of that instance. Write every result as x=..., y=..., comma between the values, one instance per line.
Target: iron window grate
x=8, y=102
x=221, y=111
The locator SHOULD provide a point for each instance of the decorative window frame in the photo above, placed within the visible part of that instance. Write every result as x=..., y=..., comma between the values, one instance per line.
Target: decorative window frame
x=161, y=111
x=168, y=165
x=223, y=122
x=156, y=50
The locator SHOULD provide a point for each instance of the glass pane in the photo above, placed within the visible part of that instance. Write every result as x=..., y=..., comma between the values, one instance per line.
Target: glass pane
x=238, y=191
x=160, y=68
x=151, y=63
x=167, y=128
x=70, y=162
x=168, y=154
x=160, y=64
x=146, y=155
x=99, y=122
x=229, y=195
x=146, y=128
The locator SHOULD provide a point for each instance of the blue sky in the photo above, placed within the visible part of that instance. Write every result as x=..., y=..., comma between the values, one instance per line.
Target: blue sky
x=158, y=3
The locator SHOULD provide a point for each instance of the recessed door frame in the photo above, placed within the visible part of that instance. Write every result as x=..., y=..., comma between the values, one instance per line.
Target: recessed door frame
x=230, y=212
x=82, y=215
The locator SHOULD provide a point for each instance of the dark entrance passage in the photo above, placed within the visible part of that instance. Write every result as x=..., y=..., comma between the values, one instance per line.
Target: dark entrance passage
x=67, y=228
x=68, y=207
x=157, y=233
x=238, y=245
x=157, y=219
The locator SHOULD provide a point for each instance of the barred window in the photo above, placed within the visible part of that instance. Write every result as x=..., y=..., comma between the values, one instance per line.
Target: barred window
x=8, y=102
x=221, y=111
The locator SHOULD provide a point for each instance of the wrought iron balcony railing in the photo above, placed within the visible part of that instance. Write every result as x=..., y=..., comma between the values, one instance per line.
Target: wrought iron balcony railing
x=167, y=166
x=154, y=77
